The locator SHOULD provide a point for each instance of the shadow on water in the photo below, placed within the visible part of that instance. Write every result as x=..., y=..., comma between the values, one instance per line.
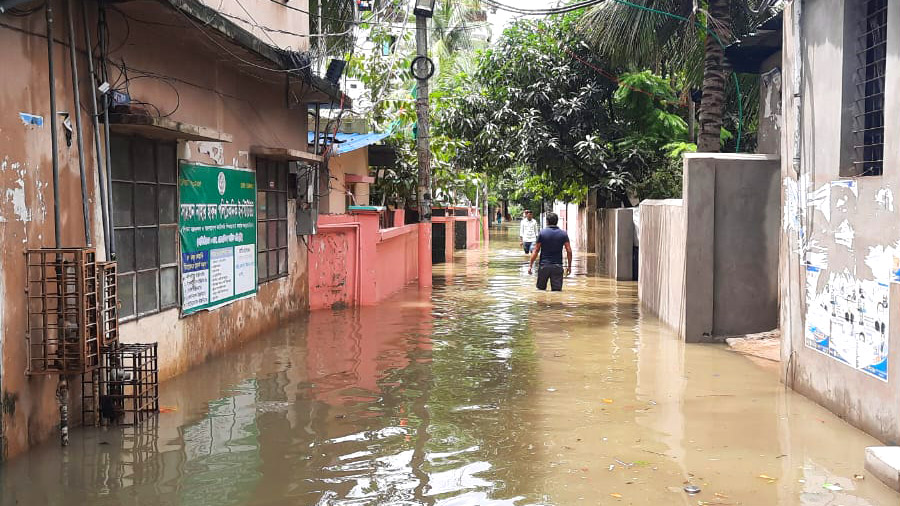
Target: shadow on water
x=480, y=391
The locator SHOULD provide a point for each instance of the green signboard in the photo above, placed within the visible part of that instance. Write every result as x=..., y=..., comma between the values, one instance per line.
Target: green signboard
x=217, y=227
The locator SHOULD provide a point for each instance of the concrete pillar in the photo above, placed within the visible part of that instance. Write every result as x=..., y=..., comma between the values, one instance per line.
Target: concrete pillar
x=623, y=236
x=368, y=256
x=700, y=202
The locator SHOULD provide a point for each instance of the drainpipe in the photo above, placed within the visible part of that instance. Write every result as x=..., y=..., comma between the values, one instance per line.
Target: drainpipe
x=62, y=388
x=101, y=176
x=797, y=83
x=54, y=128
x=76, y=95
x=101, y=16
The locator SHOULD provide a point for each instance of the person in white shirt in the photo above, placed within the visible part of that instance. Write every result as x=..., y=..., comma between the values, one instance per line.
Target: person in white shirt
x=528, y=231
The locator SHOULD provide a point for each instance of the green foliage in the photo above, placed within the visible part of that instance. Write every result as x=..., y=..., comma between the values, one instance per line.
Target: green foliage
x=392, y=92
x=542, y=101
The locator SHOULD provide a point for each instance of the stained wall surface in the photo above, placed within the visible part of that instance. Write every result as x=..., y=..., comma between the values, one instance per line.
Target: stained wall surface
x=662, y=260
x=203, y=86
x=840, y=244
x=615, y=242
x=709, y=263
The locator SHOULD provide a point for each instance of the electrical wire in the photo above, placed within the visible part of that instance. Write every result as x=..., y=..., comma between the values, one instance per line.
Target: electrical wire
x=543, y=12
x=255, y=23
x=235, y=56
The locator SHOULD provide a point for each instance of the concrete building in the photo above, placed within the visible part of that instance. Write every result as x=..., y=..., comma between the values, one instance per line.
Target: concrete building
x=840, y=244
x=191, y=82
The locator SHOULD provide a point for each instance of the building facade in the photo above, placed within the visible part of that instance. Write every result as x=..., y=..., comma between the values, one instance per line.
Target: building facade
x=191, y=86
x=840, y=246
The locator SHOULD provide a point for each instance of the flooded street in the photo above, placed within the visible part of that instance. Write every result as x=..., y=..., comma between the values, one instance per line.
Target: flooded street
x=480, y=392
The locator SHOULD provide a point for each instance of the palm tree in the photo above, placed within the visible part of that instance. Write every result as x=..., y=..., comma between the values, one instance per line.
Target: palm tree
x=452, y=29
x=654, y=34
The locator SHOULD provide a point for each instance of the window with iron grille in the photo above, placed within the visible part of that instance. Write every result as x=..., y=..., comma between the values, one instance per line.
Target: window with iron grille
x=145, y=218
x=871, y=52
x=271, y=212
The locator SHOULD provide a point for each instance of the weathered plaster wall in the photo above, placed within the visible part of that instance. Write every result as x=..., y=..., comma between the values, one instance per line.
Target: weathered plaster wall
x=355, y=263
x=708, y=263
x=333, y=264
x=615, y=243
x=745, y=266
x=846, y=227
x=662, y=260
x=200, y=87
x=269, y=20
x=355, y=162
x=768, y=134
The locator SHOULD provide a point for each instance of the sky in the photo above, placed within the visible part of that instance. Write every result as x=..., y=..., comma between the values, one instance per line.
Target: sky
x=501, y=18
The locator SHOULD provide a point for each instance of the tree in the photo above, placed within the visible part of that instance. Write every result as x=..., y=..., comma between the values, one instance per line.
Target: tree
x=541, y=100
x=675, y=37
x=391, y=90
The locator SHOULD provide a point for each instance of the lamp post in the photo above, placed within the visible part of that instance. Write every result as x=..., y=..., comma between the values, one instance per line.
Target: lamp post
x=422, y=69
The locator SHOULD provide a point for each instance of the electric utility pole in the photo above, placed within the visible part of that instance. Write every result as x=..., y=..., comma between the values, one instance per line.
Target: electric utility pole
x=423, y=68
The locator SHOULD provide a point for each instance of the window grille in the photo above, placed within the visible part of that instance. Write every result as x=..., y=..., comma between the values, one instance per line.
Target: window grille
x=869, y=119
x=271, y=215
x=145, y=217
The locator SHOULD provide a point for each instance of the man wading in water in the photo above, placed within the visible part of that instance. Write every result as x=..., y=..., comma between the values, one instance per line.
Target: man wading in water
x=550, y=243
x=528, y=232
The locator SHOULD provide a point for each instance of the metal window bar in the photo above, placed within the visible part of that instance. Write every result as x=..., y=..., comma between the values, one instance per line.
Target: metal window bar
x=135, y=181
x=278, y=216
x=876, y=46
x=869, y=133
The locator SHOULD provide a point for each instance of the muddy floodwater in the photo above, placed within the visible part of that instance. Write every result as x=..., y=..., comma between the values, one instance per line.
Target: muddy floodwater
x=480, y=391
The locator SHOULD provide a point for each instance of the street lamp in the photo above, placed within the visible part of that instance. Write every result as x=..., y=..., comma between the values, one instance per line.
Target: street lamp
x=424, y=8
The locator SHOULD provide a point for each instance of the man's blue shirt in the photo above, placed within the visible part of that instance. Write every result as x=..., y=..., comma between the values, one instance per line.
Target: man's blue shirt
x=552, y=241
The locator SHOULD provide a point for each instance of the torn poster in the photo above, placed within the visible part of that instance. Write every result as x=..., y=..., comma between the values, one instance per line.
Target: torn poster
x=821, y=200
x=885, y=199
x=884, y=262
x=31, y=119
x=848, y=184
x=848, y=320
x=844, y=234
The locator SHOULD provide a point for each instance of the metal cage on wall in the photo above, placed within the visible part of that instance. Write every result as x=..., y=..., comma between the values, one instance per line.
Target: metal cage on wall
x=63, y=330
x=109, y=303
x=129, y=383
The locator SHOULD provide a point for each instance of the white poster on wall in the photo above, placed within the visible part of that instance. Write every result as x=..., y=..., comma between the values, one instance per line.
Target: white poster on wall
x=847, y=319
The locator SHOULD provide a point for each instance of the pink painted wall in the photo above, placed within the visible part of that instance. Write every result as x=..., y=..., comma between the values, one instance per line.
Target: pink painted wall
x=473, y=232
x=333, y=264
x=397, y=259
x=354, y=263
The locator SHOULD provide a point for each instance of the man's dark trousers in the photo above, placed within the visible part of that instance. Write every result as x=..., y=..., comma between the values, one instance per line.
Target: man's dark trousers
x=553, y=273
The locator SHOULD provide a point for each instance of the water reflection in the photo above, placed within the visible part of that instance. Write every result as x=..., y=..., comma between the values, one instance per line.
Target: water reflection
x=479, y=391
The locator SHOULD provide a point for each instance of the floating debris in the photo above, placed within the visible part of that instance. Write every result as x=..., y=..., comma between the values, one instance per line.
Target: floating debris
x=692, y=489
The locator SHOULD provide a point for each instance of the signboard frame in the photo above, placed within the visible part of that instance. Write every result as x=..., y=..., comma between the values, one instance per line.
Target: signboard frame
x=217, y=233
